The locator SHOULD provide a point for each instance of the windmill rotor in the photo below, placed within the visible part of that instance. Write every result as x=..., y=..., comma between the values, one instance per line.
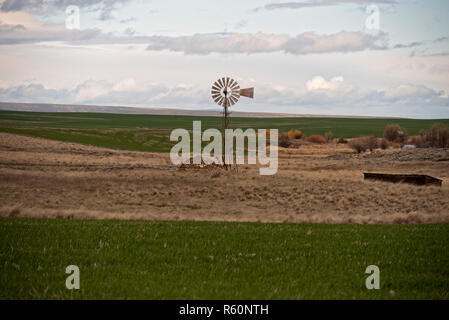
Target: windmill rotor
x=226, y=92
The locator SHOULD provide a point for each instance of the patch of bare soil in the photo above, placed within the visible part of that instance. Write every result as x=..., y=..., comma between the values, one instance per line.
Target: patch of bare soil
x=314, y=183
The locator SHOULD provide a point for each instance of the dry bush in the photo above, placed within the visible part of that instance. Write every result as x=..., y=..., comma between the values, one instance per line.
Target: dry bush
x=364, y=143
x=283, y=140
x=342, y=140
x=371, y=142
x=395, y=133
x=419, y=141
x=437, y=136
x=384, y=144
x=316, y=138
x=294, y=134
x=328, y=136
x=358, y=145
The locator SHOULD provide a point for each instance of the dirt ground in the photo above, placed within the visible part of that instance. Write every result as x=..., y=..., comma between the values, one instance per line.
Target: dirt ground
x=314, y=183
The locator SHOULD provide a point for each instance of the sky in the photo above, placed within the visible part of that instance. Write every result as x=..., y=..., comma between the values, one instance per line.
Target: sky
x=334, y=57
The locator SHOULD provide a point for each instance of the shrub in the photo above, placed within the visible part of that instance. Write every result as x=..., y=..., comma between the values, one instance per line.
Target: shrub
x=283, y=140
x=342, y=140
x=328, y=136
x=364, y=143
x=395, y=133
x=437, y=136
x=358, y=145
x=384, y=144
x=371, y=142
x=316, y=138
x=418, y=141
x=295, y=134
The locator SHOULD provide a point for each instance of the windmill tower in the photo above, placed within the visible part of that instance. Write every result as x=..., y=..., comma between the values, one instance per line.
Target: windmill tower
x=226, y=92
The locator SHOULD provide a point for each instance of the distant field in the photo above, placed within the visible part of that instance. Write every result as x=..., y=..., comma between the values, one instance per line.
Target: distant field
x=132, y=132
x=206, y=260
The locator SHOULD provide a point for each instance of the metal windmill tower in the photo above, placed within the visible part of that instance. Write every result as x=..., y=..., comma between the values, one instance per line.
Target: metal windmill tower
x=226, y=92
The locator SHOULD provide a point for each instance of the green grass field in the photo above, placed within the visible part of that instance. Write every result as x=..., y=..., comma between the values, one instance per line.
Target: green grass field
x=131, y=132
x=205, y=260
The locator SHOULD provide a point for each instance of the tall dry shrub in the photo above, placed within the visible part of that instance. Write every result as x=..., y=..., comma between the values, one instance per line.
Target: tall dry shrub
x=395, y=133
x=371, y=142
x=328, y=136
x=437, y=136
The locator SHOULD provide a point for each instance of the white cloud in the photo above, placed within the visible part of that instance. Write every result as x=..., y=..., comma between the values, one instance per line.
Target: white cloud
x=318, y=92
x=408, y=91
x=17, y=28
x=128, y=84
x=318, y=3
x=304, y=43
x=335, y=84
x=104, y=7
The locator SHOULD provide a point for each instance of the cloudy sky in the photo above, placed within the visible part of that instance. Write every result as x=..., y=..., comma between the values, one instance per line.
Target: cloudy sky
x=347, y=57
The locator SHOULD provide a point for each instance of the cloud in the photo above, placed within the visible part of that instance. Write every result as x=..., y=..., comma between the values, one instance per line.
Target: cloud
x=248, y=43
x=318, y=95
x=105, y=7
x=408, y=92
x=32, y=31
x=343, y=41
x=410, y=45
x=334, y=85
x=441, y=39
x=126, y=92
x=241, y=24
x=426, y=53
x=317, y=3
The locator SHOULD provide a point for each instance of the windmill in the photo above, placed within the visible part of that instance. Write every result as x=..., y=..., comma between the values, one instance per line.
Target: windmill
x=226, y=92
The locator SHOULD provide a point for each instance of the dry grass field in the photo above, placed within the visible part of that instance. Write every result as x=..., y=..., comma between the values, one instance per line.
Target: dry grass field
x=314, y=183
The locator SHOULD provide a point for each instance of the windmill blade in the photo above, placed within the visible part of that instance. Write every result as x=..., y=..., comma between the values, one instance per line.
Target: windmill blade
x=223, y=80
x=248, y=92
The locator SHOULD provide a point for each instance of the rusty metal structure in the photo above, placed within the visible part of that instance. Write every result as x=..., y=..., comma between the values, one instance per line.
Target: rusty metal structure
x=226, y=92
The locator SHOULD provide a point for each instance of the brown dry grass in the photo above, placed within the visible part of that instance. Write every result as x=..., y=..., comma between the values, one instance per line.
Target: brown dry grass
x=314, y=183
